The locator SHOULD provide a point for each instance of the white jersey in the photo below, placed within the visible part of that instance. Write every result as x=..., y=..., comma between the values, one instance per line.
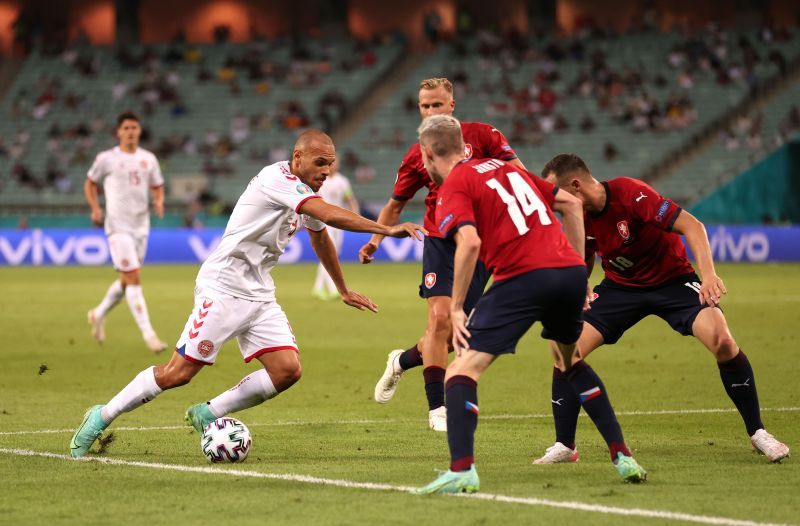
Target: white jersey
x=261, y=225
x=126, y=179
x=336, y=189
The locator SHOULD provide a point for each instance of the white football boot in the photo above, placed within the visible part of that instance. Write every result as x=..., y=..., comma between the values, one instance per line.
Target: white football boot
x=769, y=446
x=98, y=326
x=437, y=419
x=155, y=344
x=558, y=453
x=387, y=385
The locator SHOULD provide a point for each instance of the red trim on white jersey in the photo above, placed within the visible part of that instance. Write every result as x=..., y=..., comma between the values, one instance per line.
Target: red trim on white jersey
x=193, y=360
x=271, y=349
x=297, y=208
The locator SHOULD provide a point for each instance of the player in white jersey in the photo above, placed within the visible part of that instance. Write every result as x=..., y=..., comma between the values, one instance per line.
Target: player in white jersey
x=128, y=173
x=337, y=191
x=235, y=294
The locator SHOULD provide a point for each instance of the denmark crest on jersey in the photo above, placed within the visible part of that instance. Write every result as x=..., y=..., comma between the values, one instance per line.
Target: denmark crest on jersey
x=468, y=151
x=622, y=228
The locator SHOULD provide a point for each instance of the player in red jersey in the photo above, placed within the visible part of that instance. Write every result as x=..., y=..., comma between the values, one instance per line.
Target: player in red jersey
x=636, y=232
x=481, y=141
x=502, y=214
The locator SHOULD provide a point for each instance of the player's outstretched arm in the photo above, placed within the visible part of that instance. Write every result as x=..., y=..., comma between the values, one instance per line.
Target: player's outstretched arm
x=323, y=246
x=571, y=210
x=389, y=216
x=468, y=247
x=345, y=220
x=694, y=231
x=91, y=193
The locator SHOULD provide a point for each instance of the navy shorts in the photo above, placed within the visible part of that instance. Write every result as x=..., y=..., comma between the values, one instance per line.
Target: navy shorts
x=617, y=308
x=553, y=296
x=437, y=272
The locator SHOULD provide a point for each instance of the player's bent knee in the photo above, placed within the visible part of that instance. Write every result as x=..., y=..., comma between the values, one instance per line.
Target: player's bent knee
x=725, y=348
x=173, y=377
x=439, y=320
x=285, y=377
x=131, y=278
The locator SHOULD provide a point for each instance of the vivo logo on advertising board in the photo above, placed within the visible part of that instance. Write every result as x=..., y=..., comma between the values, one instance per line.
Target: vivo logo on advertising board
x=39, y=248
x=89, y=246
x=739, y=246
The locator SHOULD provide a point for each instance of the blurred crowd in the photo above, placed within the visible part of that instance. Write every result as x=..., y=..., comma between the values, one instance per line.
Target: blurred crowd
x=158, y=81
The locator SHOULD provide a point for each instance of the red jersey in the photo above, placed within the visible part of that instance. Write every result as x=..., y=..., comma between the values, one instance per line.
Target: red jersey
x=510, y=208
x=633, y=235
x=481, y=141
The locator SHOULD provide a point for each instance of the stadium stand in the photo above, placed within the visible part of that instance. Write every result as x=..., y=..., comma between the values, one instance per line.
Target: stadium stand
x=220, y=110
x=622, y=102
x=216, y=113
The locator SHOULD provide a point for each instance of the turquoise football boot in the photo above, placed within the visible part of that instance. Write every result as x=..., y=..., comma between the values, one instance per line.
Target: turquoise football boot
x=629, y=469
x=453, y=482
x=199, y=416
x=90, y=430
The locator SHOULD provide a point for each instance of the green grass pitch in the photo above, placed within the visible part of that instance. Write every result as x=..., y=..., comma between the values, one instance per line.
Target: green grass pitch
x=699, y=463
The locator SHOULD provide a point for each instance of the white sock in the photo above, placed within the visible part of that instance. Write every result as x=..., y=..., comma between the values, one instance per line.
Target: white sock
x=141, y=390
x=112, y=297
x=329, y=284
x=254, y=389
x=321, y=274
x=133, y=293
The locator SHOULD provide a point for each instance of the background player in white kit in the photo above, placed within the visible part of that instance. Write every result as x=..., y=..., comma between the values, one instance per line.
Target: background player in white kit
x=127, y=173
x=336, y=191
x=235, y=294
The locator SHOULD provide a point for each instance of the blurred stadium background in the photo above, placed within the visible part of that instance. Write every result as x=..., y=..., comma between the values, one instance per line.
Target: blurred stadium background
x=699, y=100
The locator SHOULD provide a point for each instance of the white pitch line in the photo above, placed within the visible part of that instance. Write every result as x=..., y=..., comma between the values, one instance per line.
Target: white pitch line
x=341, y=483
x=288, y=423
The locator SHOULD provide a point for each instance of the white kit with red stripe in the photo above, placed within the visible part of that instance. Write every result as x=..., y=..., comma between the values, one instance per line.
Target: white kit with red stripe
x=235, y=294
x=261, y=225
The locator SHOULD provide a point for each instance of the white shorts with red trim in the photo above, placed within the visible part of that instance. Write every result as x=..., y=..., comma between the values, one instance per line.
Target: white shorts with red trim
x=259, y=327
x=127, y=251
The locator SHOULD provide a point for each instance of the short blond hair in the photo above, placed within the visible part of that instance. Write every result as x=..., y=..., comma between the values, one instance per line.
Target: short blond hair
x=435, y=83
x=442, y=133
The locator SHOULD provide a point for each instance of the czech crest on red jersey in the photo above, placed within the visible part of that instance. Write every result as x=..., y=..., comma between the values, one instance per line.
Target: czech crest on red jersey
x=622, y=227
x=468, y=151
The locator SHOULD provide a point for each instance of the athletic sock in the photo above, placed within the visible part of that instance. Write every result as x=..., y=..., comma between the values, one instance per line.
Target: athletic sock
x=254, y=389
x=410, y=358
x=434, y=386
x=142, y=389
x=566, y=408
x=319, y=281
x=138, y=307
x=740, y=384
x=588, y=387
x=462, y=420
x=110, y=300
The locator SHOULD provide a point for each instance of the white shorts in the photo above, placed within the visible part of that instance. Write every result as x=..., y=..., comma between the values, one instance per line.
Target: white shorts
x=259, y=327
x=127, y=251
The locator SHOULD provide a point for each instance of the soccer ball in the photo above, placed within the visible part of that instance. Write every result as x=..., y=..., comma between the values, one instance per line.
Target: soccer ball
x=226, y=440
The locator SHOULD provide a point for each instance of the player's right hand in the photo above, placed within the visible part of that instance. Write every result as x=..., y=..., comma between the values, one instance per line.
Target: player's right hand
x=97, y=217
x=365, y=253
x=359, y=301
x=408, y=230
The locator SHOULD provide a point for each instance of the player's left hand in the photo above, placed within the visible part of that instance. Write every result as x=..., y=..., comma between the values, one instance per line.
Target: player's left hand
x=407, y=230
x=359, y=301
x=711, y=290
x=159, y=209
x=460, y=333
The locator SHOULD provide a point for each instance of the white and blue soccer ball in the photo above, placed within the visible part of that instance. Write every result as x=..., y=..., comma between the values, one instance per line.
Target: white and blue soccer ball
x=226, y=440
